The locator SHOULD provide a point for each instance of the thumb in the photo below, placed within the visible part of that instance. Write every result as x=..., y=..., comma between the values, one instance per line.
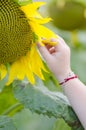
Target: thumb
x=44, y=52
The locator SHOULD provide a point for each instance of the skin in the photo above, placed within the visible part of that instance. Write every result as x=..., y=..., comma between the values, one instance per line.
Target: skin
x=58, y=60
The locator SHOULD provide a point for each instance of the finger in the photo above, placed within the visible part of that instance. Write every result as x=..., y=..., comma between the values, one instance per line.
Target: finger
x=43, y=50
x=59, y=46
x=52, y=50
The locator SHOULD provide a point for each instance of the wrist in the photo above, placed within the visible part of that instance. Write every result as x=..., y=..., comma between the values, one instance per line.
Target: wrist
x=64, y=75
x=68, y=77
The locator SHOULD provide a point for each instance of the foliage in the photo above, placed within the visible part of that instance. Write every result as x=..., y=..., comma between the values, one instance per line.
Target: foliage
x=6, y=123
x=43, y=106
x=39, y=99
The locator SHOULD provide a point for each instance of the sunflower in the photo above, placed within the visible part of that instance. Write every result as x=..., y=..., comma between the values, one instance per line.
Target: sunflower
x=18, y=27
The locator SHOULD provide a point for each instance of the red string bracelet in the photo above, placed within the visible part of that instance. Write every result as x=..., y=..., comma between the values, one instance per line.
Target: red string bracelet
x=67, y=79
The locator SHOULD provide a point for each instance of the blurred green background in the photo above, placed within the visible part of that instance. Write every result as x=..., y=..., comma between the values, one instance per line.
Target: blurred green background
x=69, y=21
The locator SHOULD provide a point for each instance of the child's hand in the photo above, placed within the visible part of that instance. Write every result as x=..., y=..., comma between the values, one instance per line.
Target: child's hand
x=57, y=57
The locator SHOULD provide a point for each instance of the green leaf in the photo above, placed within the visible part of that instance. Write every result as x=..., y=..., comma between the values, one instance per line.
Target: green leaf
x=6, y=123
x=6, y=99
x=26, y=120
x=61, y=125
x=42, y=101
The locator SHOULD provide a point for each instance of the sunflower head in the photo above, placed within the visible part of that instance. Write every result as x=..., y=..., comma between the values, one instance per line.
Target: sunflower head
x=18, y=24
x=15, y=32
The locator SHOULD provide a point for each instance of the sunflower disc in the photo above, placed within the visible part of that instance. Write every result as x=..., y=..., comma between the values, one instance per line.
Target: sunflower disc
x=15, y=32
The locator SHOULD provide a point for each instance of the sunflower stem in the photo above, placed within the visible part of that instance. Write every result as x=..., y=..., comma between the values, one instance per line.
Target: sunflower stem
x=12, y=108
x=74, y=38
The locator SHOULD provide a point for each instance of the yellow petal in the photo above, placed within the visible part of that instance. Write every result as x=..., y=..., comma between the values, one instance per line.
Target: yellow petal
x=30, y=75
x=3, y=71
x=31, y=9
x=44, y=41
x=16, y=71
x=41, y=31
x=40, y=21
x=36, y=63
x=28, y=70
x=19, y=70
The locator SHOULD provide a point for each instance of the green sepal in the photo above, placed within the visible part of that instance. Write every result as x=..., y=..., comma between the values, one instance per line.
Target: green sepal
x=23, y=2
x=5, y=79
x=3, y=83
x=35, y=38
x=7, y=65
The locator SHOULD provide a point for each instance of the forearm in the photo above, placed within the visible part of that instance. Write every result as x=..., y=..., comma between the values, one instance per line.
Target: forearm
x=75, y=90
x=58, y=60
